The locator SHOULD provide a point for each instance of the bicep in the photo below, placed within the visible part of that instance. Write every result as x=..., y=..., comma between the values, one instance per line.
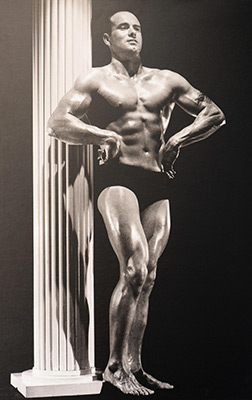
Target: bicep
x=77, y=101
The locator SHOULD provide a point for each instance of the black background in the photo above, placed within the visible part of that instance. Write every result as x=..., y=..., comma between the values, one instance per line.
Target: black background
x=199, y=331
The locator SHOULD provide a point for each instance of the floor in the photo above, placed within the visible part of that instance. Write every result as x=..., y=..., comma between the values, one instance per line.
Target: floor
x=109, y=392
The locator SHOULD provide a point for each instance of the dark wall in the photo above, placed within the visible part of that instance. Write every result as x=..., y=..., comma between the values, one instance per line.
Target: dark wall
x=16, y=327
x=199, y=331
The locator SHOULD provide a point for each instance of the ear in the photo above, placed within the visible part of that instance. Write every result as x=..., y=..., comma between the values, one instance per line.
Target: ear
x=106, y=39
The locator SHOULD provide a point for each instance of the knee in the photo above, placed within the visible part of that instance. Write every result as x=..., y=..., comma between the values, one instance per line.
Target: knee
x=136, y=275
x=151, y=277
x=136, y=270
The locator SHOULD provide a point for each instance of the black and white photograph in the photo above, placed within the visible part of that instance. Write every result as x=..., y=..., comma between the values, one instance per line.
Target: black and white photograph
x=125, y=202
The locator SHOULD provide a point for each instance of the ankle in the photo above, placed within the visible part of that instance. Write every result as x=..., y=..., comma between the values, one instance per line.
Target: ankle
x=136, y=368
x=114, y=366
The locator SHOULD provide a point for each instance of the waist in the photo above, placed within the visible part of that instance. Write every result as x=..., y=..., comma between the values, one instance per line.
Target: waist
x=130, y=169
x=146, y=161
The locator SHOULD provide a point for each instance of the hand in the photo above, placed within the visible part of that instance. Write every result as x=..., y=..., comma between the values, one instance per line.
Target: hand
x=110, y=149
x=169, y=154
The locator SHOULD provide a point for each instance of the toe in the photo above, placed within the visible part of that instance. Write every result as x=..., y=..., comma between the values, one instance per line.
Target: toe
x=145, y=391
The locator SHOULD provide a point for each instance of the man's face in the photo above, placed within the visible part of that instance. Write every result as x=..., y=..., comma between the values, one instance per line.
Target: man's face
x=125, y=39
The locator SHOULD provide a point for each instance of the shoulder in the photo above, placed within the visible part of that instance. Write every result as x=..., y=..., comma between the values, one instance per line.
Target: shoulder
x=89, y=81
x=179, y=85
x=175, y=79
x=167, y=76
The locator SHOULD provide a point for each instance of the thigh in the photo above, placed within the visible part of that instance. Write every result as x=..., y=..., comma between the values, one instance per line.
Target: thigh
x=120, y=211
x=156, y=223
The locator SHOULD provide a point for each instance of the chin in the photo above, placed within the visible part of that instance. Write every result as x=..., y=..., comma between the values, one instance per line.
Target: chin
x=134, y=49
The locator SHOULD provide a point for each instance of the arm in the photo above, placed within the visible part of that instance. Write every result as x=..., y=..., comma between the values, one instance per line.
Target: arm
x=66, y=123
x=208, y=118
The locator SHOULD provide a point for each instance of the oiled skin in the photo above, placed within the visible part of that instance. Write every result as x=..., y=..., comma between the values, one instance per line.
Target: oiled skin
x=138, y=102
x=142, y=106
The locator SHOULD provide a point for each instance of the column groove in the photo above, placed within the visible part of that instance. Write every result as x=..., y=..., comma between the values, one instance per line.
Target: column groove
x=62, y=206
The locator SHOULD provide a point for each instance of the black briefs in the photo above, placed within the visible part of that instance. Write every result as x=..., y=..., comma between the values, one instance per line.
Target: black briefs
x=148, y=186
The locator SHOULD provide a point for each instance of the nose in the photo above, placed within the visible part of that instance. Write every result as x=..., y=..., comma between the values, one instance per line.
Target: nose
x=132, y=32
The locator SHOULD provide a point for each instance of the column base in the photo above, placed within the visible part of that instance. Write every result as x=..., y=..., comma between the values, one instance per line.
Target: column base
x=53, y=386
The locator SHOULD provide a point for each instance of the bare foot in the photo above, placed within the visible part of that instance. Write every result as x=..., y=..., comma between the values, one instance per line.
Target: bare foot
x=126, y=382
x=151, y=382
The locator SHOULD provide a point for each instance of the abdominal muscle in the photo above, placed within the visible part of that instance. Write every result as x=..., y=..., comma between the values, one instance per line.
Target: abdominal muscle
x=142, y=138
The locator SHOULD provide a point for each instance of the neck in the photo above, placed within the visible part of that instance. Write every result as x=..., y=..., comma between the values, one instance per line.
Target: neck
x=132, y=67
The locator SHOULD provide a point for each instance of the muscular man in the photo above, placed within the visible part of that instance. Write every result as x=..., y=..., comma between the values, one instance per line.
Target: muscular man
x=136, y=165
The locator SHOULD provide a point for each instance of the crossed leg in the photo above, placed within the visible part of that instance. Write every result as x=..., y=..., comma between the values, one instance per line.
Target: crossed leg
x=119, y=209
x=138, y=243
x=156, y=224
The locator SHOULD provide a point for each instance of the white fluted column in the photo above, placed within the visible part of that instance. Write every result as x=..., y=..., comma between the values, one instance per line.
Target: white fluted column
x=63, y=213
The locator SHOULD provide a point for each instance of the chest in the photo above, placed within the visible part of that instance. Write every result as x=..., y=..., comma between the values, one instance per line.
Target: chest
x=128, y=94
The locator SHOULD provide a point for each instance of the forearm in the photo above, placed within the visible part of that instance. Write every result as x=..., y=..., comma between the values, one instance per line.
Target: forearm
x=72, y=130
x=204, y=125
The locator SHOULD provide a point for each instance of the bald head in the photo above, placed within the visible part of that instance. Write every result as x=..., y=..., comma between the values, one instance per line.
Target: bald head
x=123, y=15
x=125, y=37
x=113, y=18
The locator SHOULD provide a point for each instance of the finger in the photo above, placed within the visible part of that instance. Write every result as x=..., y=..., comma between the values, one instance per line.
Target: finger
x=172, y=173
x=170, y=176
x=102, y=155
